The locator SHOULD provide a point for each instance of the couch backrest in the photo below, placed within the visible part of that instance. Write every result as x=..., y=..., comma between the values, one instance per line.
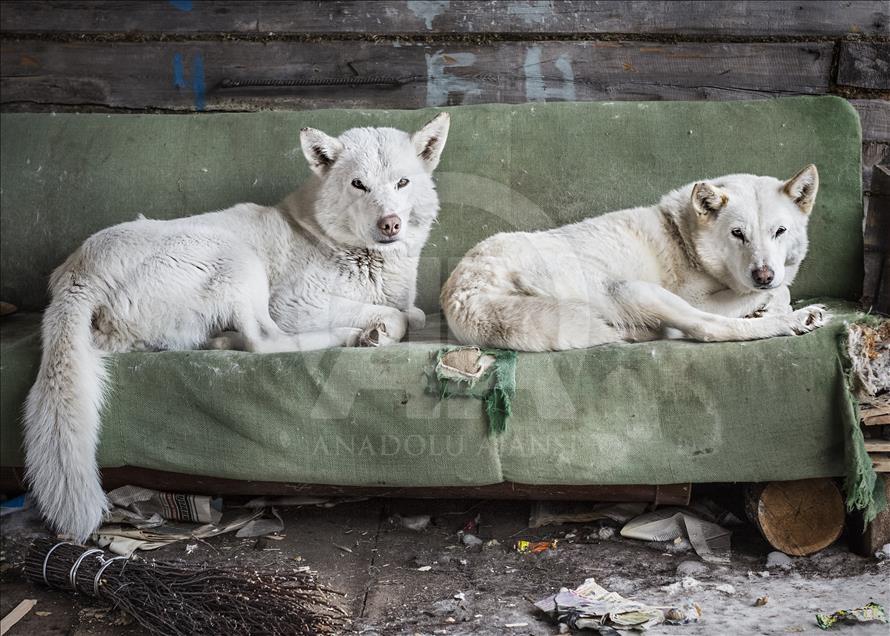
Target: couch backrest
x=505, y=167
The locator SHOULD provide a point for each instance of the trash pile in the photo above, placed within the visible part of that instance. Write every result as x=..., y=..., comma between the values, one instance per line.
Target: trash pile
x=591, y=606
x=677, y=527
x=871, y=613
x=145, y=519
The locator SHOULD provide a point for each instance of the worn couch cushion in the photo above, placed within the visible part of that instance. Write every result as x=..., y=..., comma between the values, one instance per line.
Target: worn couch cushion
x=649, y=413
x=505, y=167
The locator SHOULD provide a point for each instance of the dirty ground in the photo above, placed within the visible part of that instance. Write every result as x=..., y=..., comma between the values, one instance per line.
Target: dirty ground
x=402, y=581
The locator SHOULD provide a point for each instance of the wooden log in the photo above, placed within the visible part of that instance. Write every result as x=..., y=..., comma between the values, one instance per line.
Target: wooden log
x=398, y=17
x=797, y=517
x=671, y=494
x=200, y=75
x=864, y=65
x=865, y=540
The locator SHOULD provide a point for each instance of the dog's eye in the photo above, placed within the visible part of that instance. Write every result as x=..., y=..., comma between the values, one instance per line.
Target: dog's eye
x=402, y=183
x=736, y=232
x=780, y=231
x=359, y=185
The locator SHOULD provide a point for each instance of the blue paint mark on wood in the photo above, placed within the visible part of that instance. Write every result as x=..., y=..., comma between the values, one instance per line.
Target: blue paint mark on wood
x=439, y=84
x=178, y=71
x=535, y=88
x=198, y=85
x=182, y=5
x=198, y=82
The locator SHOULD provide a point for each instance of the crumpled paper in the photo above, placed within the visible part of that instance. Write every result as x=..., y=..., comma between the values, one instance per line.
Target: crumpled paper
x=591, y=606
x=710, y=541
x=145, y=519
x=872, y=612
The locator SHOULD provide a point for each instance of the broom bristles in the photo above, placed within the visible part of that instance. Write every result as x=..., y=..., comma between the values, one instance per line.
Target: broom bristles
x=176, y=598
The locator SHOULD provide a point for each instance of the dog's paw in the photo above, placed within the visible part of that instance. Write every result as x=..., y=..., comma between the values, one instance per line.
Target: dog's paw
x=349, y=336
x=416, y=318
x=808, y=319
x=370, y=335
x=760, y=312
x=226, y=341
x=375, y=335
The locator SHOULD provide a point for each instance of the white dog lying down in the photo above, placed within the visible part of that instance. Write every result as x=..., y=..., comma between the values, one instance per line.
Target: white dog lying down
x=713, y=260
x=334, y=264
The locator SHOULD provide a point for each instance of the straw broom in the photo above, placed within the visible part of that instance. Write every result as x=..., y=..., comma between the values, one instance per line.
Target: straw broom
x=185, y=599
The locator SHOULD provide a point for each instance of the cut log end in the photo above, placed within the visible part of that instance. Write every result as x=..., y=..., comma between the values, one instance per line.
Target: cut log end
x=797, y=517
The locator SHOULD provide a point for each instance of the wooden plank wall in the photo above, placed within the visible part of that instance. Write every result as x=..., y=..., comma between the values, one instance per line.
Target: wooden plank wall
x=184, y=56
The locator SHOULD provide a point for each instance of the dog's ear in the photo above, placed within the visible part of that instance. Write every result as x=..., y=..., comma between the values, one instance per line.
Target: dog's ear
x=321, y=150
x=429, y=141
x=708, y=199
x=802, y=188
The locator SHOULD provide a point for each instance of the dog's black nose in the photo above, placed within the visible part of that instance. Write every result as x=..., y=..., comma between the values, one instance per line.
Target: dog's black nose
x=763, y=275
x=389, y=225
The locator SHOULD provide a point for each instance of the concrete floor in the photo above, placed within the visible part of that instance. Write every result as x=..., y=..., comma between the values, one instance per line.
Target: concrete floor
x=387, y=593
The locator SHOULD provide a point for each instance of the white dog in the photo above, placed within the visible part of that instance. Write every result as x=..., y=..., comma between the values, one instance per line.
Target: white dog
x=334, y=264
x=713, y=260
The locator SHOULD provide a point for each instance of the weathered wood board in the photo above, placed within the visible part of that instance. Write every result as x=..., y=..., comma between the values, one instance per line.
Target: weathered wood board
x=864, y=65
x=762, y=18
x=193, y=75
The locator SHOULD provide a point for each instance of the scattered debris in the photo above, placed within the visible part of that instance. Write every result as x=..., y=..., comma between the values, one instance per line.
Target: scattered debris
x=686, y=584
x=457, y=608
x=268, y=524
x=17, y=504
x=535, y=547
x=594, y=607
x=605, y=533
x=470, y=540
x=547, y=513
x=416, y=523
x=688, y=612
x=871, y=613
x=191, y=547
x=778, y=559
x=726, y=588
x=883, y=553
x=491, y=543
x=146, y=508
x=424, y=568
x=710, y=541
x=125, y=540
x=761, y=601
x=516, y=625
x=342, y=547
x=692, y=568
x=472, y=525
x=17, y=614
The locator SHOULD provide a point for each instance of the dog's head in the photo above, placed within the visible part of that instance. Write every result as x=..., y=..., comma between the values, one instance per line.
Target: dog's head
x=752, y=231
x=376, y=188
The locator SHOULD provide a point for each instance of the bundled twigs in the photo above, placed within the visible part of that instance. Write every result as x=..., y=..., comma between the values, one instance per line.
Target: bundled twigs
x=178, y=598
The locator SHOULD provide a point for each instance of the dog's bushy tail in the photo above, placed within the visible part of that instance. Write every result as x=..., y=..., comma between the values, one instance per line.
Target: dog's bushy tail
x=62, y=418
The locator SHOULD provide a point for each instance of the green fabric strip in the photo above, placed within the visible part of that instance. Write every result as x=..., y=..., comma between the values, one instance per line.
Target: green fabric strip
x=495, y=386
x=863, y=487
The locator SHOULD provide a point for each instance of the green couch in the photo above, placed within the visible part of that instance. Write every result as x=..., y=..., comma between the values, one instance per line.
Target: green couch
x=650, y=413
